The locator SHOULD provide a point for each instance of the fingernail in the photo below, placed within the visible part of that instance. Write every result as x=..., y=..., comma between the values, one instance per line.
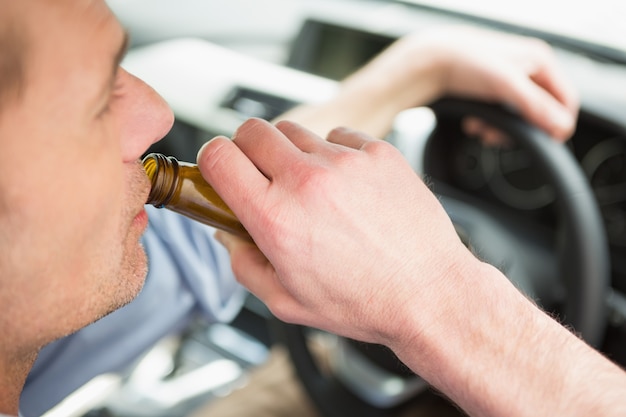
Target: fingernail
x=201, y=150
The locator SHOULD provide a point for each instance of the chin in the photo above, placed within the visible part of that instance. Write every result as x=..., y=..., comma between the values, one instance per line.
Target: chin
x=116, y=288
x=129, y=280
x=134, y=272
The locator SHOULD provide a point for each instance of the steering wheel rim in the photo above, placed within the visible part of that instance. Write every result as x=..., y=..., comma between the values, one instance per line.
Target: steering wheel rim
x=583, y=256
x=583, y=238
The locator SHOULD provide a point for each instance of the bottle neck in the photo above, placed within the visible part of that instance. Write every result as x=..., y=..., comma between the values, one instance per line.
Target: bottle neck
x=163, y=174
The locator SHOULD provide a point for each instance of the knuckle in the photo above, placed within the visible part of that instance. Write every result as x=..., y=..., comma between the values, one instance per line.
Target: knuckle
x=380, y=149
x=338, y=131
x=250, y=128
x=315, y=180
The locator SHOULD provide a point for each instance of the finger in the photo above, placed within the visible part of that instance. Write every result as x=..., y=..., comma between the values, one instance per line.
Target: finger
x=487, y=134
x=552, y=79
x=348, y=137
x=539, y=107
x=266, y=146
x=231, y=173
x=302, y=138
x=472, y=126
x=248, y=261
x=494, y=137
x=253, y=270
x=550, y=115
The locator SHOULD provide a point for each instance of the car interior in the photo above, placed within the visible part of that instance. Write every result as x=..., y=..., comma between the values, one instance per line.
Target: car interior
x=552, y=218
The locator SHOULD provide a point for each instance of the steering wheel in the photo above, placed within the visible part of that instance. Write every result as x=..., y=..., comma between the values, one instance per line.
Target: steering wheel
x=565, y=270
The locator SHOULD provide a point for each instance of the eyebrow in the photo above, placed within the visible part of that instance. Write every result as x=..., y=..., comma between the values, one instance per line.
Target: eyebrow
x=119, y=56
x=109, y=85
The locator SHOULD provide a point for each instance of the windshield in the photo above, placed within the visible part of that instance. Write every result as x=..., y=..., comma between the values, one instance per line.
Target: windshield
x=599, y=22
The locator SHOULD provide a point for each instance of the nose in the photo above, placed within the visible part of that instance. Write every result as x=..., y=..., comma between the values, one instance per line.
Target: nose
x=146, y=118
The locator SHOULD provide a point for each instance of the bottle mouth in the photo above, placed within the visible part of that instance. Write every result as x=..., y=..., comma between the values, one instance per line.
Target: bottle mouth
x=162, y=172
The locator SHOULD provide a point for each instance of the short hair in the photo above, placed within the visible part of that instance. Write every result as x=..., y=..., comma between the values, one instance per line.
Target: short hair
x=12, y=57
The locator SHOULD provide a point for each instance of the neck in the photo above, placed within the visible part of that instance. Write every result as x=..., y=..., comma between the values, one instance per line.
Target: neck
x=14, y=369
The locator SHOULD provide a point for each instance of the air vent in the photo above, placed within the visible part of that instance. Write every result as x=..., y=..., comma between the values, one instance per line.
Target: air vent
x=253, y=103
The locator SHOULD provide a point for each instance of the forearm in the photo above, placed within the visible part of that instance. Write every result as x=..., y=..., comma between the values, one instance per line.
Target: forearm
x=467, y=62
x=370, y=98
x=491, y=368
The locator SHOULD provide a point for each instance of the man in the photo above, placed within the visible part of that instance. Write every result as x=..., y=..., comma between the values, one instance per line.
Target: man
x=189, y=272
x=68, y=261
x=72, y=127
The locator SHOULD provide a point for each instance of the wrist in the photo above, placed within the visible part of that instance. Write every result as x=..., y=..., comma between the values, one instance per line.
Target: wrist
x=465, y=342
x=415, y=72
x=429, y=66
x=408, y=74
x=493, y=352
x=467, y=289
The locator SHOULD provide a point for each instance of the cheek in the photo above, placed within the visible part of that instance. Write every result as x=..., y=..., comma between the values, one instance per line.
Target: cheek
x=61, y=221
x=60, y=251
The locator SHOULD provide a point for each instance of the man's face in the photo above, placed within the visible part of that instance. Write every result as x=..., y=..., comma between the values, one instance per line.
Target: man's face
x=71, y=190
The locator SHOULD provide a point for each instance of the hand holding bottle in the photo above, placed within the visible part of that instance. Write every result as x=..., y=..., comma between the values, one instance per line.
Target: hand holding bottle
x=342, y=225
x=351, y=241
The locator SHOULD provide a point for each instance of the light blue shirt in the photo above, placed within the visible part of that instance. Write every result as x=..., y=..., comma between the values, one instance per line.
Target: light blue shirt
x=189, y=273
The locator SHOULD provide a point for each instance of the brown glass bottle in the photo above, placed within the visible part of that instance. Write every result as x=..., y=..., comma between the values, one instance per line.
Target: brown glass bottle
x=179, y=186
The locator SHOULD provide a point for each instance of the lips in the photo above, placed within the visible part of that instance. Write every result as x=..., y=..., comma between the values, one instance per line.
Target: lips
x=141, y=219
x=140, y=189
